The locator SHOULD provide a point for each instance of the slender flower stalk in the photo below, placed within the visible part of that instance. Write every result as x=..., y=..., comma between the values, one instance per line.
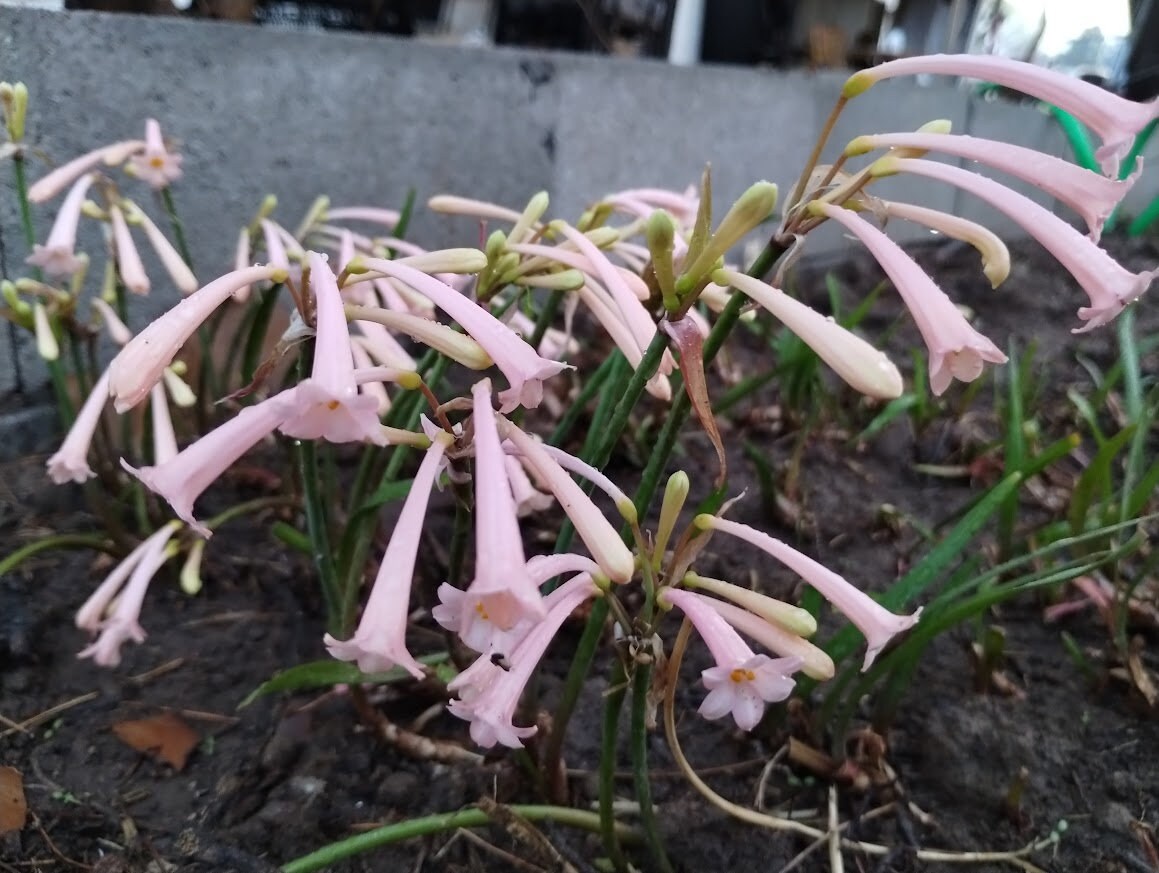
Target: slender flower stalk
x=49, y=186
x=609, y=551
x=489, y=703
x=1109, y=285
x=524, y=368
x=995, y=255
x=57, y=257
x=1091, y=195
x=128, y=258
x=1116, y=120
x=956, y=350
x=877, y=623
x=379, y=643
x=863, y=367
x=742, y=683
x=123, y=622
x=139, y=364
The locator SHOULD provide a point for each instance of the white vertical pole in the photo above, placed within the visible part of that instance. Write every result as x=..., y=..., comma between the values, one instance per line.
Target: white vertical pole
x=687, y=30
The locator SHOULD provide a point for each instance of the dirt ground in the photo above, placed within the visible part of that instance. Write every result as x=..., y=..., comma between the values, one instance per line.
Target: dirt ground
x=289, y=773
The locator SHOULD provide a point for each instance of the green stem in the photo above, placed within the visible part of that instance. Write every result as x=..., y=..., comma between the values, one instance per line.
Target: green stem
x=317, y=528
x=433, y=824
x=240, y=509
x=25, y=206
x=641, y=685
x=545, y=318
x=178, y=227
x=581, y=663
x=59, y=541
x=613, y=703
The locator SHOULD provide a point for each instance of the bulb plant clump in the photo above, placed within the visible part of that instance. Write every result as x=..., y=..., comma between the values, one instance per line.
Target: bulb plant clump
x=452, y=364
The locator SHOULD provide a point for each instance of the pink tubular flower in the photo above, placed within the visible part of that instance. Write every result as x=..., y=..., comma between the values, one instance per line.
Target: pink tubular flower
x=69, y=463
x=123, y=623
x=875, y=622
x=814, y=662
x=182, y=479
x=128, y=258
x=1116, y=120
x=164, y=438
x=864, y=368
x=329, y=405
x=528, y=498
x=608, y=550
x=380, y=641
x=1109, y=285
x=956, y=350
x=1091, y=195
x=139, y=364
x=157, y=167
x=524, y=368
x=742, y=682
x=241, y=260
x=64, y=175
x=502, y=593
x=372, y=214
x=173, y=263
x=995, y=255
x=275, y=248
x=489, y=702
x=58, y=254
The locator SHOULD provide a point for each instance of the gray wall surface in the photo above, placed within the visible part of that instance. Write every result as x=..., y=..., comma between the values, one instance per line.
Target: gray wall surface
x=363, y=119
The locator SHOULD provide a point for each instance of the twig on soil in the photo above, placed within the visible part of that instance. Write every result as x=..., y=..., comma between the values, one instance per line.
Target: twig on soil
x=16, y=726
x=235, y=615
x=52, y=846
x=523, y=831
x=512, y=860
x=836, y=862
x=161, y=670
x=51, y=712
x=408, y=742
x=1015, y=857
x=766, y=774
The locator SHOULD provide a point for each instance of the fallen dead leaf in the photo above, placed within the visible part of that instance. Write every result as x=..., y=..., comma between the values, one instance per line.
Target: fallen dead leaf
x=1140, y=676
x=13, y=805
x=166, y=737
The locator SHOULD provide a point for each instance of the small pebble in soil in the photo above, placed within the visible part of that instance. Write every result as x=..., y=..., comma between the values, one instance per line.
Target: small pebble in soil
x=398, y=788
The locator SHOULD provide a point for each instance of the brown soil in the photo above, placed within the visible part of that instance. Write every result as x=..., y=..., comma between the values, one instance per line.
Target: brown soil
x=290, y=773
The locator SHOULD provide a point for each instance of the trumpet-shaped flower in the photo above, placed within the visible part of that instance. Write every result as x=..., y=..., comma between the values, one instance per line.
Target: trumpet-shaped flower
x=602, y=540
x=123, y=622
x=1109, y=285
x=814, y=662
x=58, y=254
x=528, y=498
x=379, y=643
x=524, y=368
x=181, y=479
x=164, y=438
x=329, y=405
x=862, y=366
x=128, y=258
x=49, y=186
x=742, y=683
x=489, y=694
x=875, y=622
x=1116, y=120
x=139, y=364
x=70, y=461
x=1091, y=195
x=956, y=350
x=502, y=593
x=156, y=166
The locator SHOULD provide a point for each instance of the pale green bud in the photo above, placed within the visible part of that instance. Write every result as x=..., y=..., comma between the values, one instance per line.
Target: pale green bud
x=191, y=569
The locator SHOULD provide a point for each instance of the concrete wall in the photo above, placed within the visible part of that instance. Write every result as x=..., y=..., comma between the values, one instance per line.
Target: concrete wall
x=363, y=119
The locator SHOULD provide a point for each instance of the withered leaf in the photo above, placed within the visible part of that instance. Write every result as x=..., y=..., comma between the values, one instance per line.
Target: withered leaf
x=13, y=805
x=165, y=737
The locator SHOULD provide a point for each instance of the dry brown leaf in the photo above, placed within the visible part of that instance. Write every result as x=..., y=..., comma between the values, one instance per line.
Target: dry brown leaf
x=165, y=737
x=1140, y=676
x=13, y=805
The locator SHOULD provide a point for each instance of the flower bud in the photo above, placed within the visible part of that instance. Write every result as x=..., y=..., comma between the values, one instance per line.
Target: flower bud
x=675, y=493
x=46, y=344
x=14, y=102
x=753, y=207
x=191, y=569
